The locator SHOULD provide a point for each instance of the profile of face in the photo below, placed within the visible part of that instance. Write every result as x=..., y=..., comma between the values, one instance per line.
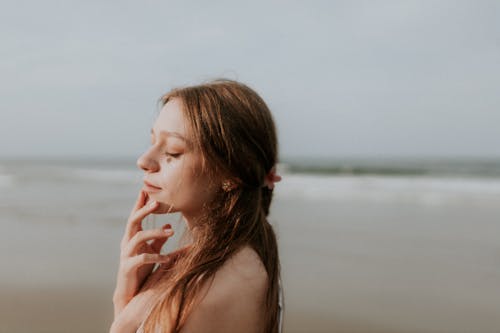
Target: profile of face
x=173, y=166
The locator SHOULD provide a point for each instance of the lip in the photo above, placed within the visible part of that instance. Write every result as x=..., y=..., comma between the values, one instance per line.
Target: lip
x=150, y=187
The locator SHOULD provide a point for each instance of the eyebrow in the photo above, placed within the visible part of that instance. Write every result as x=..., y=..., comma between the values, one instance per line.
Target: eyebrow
x=168, y=133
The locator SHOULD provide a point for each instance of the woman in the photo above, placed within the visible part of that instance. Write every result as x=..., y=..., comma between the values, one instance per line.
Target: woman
x=212, y=158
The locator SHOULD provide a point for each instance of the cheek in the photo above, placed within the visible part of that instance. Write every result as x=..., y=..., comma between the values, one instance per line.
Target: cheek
x=178, y=180
x=194, y=191
x=183, y=185
x=171, y=175
x=205, y=188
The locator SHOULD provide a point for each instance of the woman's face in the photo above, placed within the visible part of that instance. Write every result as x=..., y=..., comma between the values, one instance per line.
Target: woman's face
x=173, y=166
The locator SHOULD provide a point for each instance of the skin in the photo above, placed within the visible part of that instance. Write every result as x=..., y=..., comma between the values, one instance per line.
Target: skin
x=174, y=166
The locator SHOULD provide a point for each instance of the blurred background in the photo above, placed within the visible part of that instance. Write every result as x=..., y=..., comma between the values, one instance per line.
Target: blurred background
x=389, y=128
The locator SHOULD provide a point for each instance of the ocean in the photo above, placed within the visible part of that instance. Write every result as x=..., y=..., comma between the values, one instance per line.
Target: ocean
x=374, y=245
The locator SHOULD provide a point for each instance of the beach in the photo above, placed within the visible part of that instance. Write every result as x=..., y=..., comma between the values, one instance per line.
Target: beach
x=359, y=253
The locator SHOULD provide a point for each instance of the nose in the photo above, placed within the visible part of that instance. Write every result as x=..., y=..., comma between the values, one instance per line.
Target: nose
x=147, y=162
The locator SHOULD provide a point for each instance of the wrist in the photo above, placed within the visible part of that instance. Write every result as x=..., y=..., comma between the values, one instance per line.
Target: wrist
x=121, y=298
x=121, y=324
x=116, y=327
x=119, y=304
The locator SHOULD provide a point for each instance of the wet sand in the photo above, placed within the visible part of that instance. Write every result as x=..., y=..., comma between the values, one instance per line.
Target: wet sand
x=348, y=266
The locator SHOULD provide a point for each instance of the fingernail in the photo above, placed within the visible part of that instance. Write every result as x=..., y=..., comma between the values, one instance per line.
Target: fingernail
x=169, y=231
x=152, y=204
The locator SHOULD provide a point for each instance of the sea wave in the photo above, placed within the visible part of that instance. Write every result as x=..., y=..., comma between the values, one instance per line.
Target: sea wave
x=424, y=189
x=115, y=176
x=421, y=189
x=6, y=181
x=28, y=174
x=6, y=178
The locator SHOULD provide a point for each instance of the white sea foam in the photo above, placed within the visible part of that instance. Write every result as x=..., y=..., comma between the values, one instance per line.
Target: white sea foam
x=422, y=189
x=23, y=174
x=427, y=190
x=6, y=180
x=115, y=176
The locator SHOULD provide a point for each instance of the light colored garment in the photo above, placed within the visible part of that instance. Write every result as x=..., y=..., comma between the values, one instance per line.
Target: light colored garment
x=280, y=311
x=280, y=307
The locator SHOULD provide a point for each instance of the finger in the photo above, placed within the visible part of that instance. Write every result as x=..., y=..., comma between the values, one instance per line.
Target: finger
x=135, y=219
x=141, y=200
x=179, y=252
x=146, y=258
x=175, y=255
x=157, y=244
x=142, y=236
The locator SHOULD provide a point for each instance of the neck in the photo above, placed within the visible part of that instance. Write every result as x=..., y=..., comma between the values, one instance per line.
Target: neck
x=191, y=221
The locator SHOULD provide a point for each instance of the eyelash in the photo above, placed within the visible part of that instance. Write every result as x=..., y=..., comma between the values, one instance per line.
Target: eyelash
x=171, y=155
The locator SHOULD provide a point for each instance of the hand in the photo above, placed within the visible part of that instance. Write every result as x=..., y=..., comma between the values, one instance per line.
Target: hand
x=135, y=312
x=137, y=257
x=130, y=317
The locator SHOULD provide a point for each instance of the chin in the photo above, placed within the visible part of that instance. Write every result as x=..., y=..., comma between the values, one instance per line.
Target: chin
x=163, y=209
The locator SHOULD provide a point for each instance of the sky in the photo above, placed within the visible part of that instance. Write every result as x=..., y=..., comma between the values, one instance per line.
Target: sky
x=342, y=78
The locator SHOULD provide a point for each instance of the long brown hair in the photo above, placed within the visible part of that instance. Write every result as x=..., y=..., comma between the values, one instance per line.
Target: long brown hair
x=233, y=130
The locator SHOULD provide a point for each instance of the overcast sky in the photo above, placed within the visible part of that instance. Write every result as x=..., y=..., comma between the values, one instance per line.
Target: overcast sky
x=342, y=78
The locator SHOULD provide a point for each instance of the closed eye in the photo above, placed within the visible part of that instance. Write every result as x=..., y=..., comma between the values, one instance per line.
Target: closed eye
x=173, y=155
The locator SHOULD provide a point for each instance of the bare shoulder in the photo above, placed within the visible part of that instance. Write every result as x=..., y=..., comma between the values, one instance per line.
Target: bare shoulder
x=233, y=300
x=242, y=275
x=244, y=268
